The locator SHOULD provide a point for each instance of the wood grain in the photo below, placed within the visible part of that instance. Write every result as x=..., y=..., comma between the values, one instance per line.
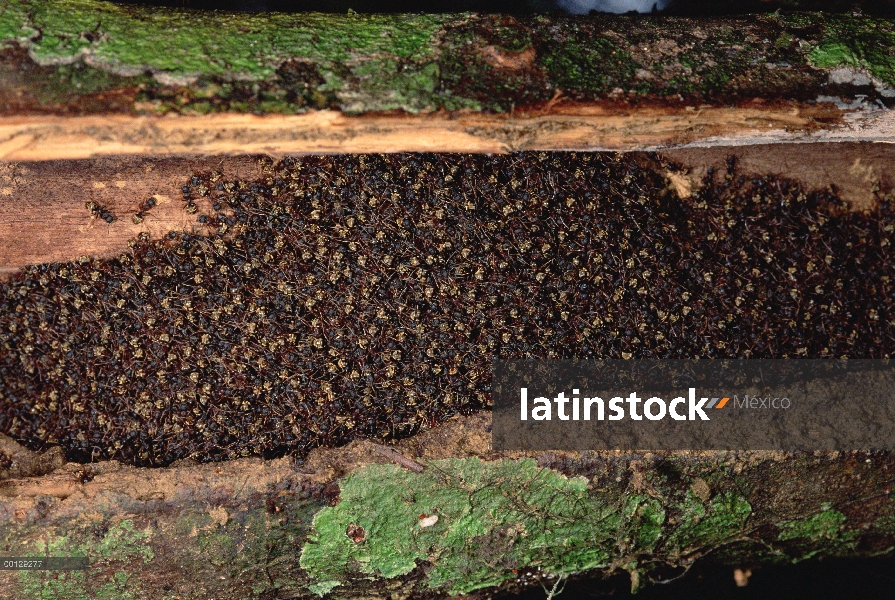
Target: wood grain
x=574, y=127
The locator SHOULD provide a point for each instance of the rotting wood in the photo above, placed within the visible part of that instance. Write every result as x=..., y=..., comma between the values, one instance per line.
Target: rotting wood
x=587, y=127
x=242, y=529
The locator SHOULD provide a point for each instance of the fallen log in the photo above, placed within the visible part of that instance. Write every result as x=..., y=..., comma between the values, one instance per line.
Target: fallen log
x=357, y=520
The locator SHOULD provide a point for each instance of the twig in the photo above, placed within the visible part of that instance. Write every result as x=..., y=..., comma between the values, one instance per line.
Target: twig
x=556, y=590
x=399, y=458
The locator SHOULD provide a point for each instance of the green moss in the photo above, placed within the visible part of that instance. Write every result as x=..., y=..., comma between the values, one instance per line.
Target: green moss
x=593, y=66
x=511, y=38
x=494, y=518
x=833, y=55
x=122, y=541
x=14, y=23
x=386, y=84
x=389, y=61
x=117, y=589
x=784, y=41
x=823, y=525
x=183, y=43
x=65, y=585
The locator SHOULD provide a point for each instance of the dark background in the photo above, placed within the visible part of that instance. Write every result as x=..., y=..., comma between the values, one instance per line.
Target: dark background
x=868, y=579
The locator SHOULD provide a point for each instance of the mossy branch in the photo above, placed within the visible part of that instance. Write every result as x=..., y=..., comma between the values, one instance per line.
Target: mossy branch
x=94, y=56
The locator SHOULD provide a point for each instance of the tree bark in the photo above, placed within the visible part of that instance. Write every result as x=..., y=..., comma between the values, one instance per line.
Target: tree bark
x=99, y=81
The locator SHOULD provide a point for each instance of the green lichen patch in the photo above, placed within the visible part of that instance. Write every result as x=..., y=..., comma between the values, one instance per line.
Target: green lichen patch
x=110, y=554
x=356, y=55
x=823, y=531
x=864, y=43
x=14, y=22
x=700, y=523
x=386, y=84
x=823, y=525
x=590, y=66
x=188, y=44
x=494, y=519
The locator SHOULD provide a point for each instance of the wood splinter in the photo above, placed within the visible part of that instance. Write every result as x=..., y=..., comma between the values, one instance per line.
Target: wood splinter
x=399, y=458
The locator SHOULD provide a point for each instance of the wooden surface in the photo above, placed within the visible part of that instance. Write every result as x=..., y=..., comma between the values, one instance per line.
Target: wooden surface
x=43, y=216
x=582, y=127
